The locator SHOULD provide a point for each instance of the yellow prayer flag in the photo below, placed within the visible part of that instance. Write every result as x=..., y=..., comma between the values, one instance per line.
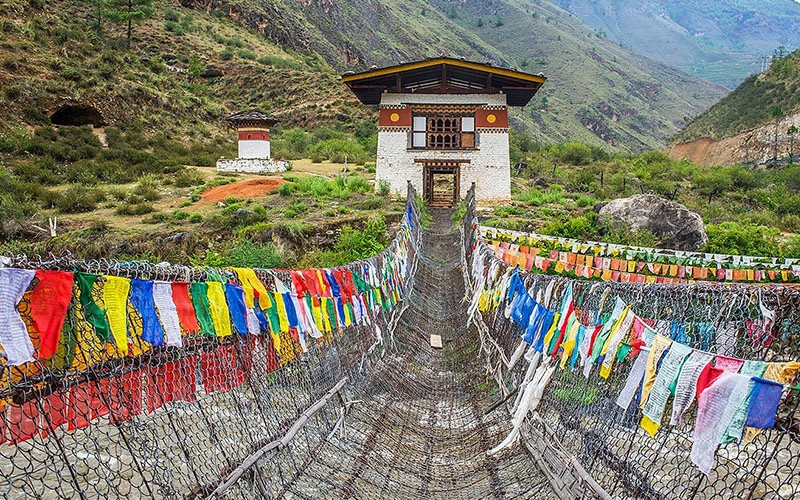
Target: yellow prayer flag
x=650, y=426
x=115, y=297
x=220, y=314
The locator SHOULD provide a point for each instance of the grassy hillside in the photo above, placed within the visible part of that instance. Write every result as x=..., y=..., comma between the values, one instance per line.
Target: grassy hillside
x=52, y=54
x=720, y=40
x=597, y=91
x=123, y=188
x=752, y=103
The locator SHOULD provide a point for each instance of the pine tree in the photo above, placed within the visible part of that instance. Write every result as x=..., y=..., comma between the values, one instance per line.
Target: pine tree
x=100, y=8
x=125, y=12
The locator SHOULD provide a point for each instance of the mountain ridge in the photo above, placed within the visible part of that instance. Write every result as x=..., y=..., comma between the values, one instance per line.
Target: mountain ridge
x=613, y=100
x=721, y=40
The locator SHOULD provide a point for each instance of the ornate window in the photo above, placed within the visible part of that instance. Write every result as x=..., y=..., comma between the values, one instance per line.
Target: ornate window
x=443, y=132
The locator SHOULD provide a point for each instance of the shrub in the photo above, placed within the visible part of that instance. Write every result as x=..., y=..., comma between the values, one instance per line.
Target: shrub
x=357, y=184
x=572, y=153
x=337, y=150
x=287, y=189
x=296, y=208
x=384, y=187
x=258, y=255
x=180, y=215
x=171, y=15
x=535, y=198
x=135, y=209
x=246, y=54
x=147, y=188
x=353, y=244
x=189, y=177
x=583, y=227
x=195, y=218
x=78, y=199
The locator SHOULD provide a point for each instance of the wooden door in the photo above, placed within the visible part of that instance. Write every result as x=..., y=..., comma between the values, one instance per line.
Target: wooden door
x=441, y=186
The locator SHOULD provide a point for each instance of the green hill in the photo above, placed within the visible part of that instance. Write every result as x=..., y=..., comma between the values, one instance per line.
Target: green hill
x=752, y=103
x=723, y=41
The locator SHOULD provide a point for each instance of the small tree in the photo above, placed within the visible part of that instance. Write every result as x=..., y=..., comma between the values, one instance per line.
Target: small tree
x=790, y=132
x=125, y=12
x=100, y=7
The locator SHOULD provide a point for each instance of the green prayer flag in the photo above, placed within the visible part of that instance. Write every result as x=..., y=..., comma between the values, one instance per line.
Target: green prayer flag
x=92, y=312
x=202, y=308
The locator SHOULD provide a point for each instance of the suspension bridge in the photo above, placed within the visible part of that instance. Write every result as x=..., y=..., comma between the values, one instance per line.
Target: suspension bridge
x=225, y=383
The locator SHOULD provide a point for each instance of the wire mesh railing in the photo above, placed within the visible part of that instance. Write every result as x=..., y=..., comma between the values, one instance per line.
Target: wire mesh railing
x=642, y=390
x=127, y=379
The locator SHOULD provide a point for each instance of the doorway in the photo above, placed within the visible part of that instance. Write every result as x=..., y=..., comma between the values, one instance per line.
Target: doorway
x=441, y=186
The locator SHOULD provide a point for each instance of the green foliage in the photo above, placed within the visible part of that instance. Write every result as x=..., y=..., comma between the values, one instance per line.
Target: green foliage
x=535, y=197
x=742, y=239
x=338, y=150
x=287, y=189
x=188, y=177
x=77, y=199
x=321, y=188
x=359, y=244
x=148, y=187
x=246, y=253
x=279, y=62
x=196, y=65
x=351, y=245
x=141, y=208
x=576, y=153
x=127, y=12
x=384, y=186
x=583, y=227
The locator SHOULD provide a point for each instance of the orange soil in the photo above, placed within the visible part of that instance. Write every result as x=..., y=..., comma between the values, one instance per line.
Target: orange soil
x=241, y=189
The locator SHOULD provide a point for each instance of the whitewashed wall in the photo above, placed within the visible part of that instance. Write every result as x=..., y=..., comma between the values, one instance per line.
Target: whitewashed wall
x=250, y=148
x=489, y=165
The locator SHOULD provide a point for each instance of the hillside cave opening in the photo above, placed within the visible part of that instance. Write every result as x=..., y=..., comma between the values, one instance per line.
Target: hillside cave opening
x=77, y=115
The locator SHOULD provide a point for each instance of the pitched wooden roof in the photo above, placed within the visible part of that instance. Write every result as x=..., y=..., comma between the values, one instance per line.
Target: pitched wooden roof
x=444, y=75
x=251, y=117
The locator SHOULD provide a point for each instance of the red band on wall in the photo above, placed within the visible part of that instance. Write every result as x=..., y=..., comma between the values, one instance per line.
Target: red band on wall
x=253, y=136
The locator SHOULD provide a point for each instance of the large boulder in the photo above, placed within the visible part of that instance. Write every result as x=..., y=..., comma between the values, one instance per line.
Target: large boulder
x=675, y=225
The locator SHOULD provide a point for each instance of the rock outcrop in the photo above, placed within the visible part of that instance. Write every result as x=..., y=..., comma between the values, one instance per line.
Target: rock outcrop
x=678, y=227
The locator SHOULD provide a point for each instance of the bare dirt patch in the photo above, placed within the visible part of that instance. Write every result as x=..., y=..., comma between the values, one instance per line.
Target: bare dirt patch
x=242, y=189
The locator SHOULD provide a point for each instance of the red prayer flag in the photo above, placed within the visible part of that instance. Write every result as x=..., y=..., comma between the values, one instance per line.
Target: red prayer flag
x=126, y=396
x=23, y=421
x=49, y=303
x=54, y=408
x=183, y=303
x=164, y=384
x=707, y=377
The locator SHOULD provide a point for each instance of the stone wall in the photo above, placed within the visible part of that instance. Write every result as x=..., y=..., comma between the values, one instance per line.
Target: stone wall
x=251, y=165
x=488, y=164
